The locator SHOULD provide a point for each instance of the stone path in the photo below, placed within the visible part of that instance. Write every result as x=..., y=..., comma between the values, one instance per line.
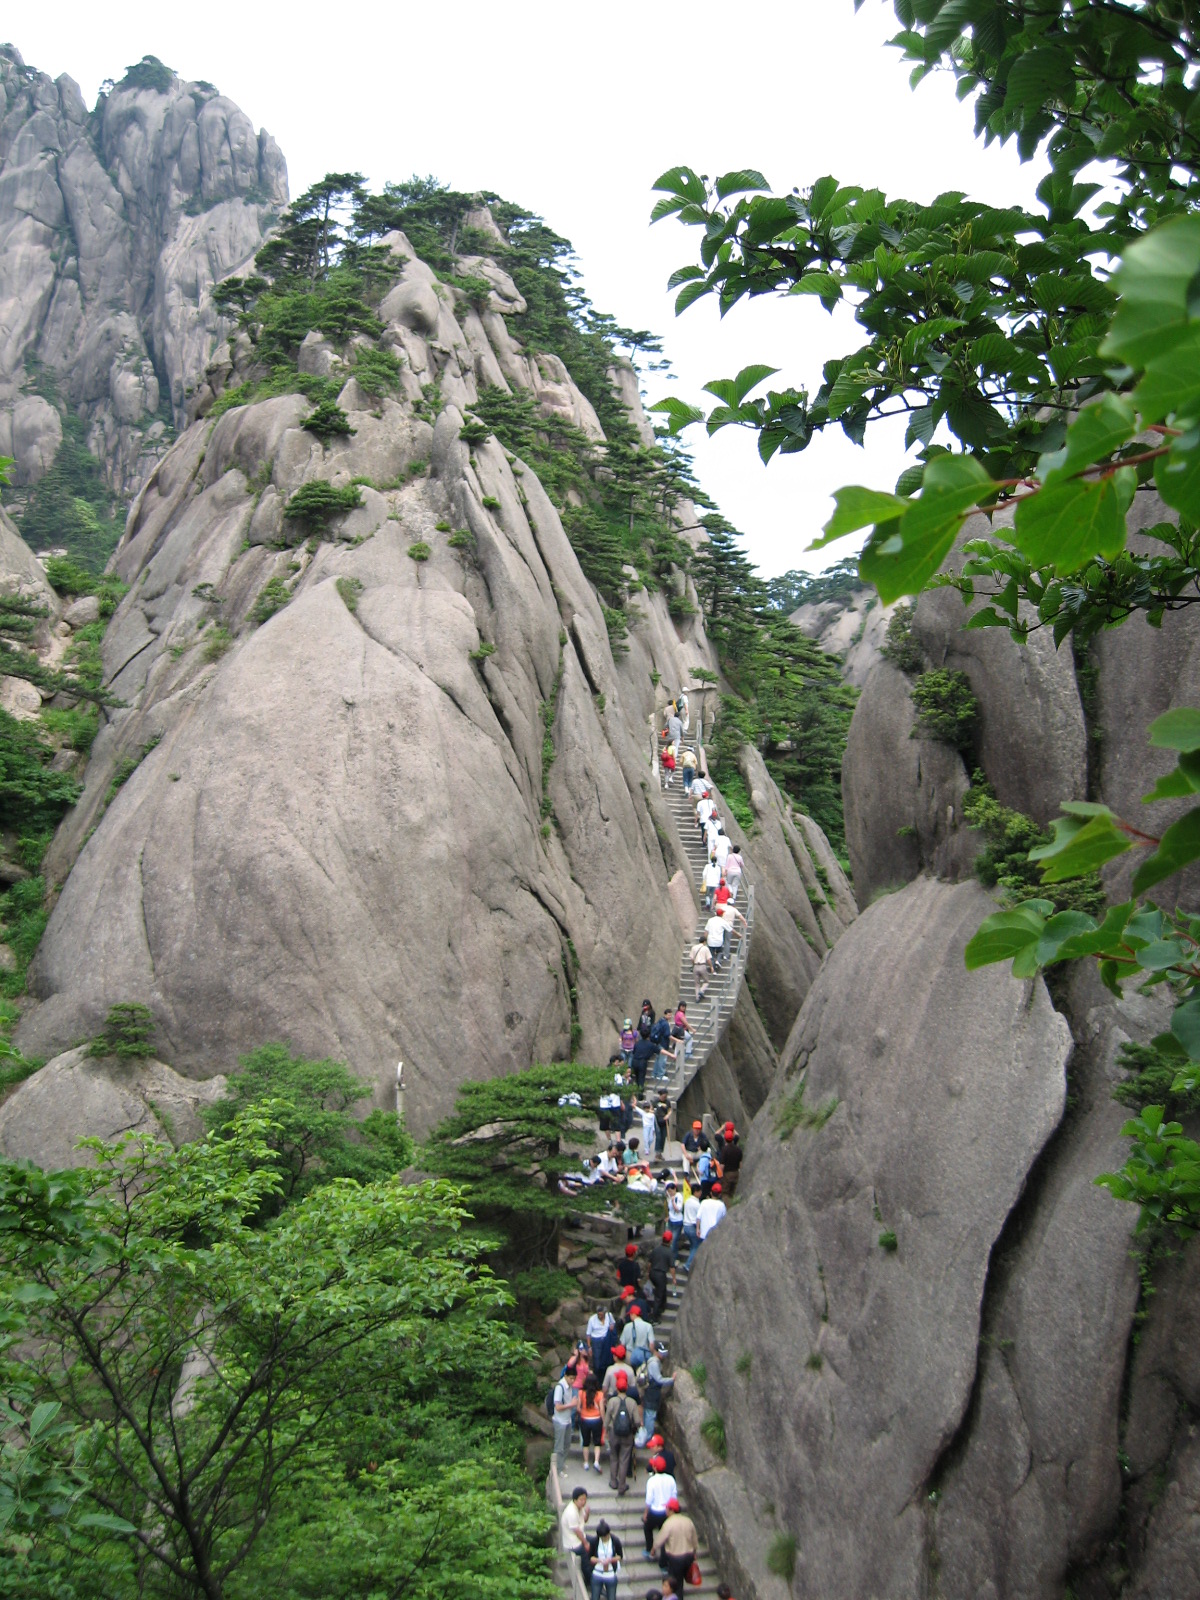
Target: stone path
x=708, y=1021
x=709, y=1017
x=624, y=1515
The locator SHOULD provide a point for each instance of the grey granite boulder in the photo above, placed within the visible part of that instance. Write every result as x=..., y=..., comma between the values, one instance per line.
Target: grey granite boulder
x=78, y=1096
x=936, y=1091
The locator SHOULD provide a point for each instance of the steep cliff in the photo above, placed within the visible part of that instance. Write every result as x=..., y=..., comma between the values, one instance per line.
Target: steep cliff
x=114, y=225
x=391, y=796
x=989, y=1392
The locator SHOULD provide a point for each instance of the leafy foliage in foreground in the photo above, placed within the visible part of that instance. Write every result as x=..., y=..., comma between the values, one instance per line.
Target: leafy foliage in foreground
x=1043, y=387
x=198, y=1394
x=991, y=327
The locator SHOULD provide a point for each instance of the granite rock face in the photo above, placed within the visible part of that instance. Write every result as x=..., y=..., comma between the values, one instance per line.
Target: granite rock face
x=114, y=226
x=944, y=1095
x=76, y=1095
x=345, y=830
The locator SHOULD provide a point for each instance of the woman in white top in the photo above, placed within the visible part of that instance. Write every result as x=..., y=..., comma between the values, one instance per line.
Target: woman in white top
x=606, y=1562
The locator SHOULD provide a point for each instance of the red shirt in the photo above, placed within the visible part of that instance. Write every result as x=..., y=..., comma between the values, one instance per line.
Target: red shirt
x=722, y=894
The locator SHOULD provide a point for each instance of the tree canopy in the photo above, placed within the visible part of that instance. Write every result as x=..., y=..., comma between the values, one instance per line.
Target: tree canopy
x=1047, y=362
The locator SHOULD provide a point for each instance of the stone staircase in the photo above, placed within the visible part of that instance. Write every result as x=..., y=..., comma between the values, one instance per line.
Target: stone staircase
x=624, y=1514
x=709, y=1017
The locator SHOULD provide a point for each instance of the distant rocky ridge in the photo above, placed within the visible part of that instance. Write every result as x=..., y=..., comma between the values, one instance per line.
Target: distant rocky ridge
x=114, y=225
x=852, y=627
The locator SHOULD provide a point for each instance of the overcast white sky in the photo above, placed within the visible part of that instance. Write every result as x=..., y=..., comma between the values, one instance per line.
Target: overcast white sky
x=573, y=112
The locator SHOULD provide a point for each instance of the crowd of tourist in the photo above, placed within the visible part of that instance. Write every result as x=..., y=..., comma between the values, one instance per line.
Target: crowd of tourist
x=612, y=1387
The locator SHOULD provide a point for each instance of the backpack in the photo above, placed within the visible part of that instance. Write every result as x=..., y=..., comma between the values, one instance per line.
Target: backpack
x=622, y=1422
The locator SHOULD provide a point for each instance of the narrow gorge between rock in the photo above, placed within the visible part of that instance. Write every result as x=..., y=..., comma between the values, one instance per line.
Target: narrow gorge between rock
x=347, y=584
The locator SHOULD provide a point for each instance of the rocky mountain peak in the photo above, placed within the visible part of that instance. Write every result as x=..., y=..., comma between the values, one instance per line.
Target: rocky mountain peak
x=114, y=226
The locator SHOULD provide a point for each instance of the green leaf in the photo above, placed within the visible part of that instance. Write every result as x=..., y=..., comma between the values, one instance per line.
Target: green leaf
x=1154, y=283
x=1080, y=846
x=739, y=182
x=1177, y=729
x=683, y=181
x=1160, y=955
x=858, y=508
x=1105, y=940
x=690, y=293
x=1185, y=1027
x=1040, y=75
x=902, y=559
x=1177, y=848
x=823, y=284
x=1058, y=930
x=1068, y=523
x=679, y=414
x=1171, y=386
x=1182, y=780
x=1097, y=431
x=750, y=378
x=1003, y=937
x=1177, y=476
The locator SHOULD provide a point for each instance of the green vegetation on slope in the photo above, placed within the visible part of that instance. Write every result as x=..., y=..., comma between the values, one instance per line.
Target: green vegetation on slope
x=362, y=1374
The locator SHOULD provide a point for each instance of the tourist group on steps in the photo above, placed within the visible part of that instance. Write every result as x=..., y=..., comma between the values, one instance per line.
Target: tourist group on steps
x=610, y=1391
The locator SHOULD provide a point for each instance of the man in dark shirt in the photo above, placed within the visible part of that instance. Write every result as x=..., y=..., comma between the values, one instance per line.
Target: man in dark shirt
x=661, y=1263
x=645, y=1052
x=629, y=1270
x=729, y=1154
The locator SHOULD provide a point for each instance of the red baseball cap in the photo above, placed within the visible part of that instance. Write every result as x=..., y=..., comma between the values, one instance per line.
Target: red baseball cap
x=631, y=1249
x=716, y=1188
x=653, y=1443
x=728, y=1129
x=659, y=1464
x=668, y=1236
x=619, y=1352
x=635, y=1311
x=622, y=1380
x=628, y=1292
x=672, y=1504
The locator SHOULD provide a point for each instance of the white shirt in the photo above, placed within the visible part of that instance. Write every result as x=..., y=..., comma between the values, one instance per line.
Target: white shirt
x=691, y=1211
x=674, y=1208
x=711, y=836
x=608, y=1162
x=704, y=809
x=711, y=876
x=714, y=933
x=699, y=789
x=722, y=847
x=649, y=1127
x=660, y=1487
x=711, y=1212
x=598, y=1325
x=574, y=1527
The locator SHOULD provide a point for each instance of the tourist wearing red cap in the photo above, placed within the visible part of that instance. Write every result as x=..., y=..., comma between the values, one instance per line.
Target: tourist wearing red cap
x=662, y=1263
x=629, y=1270
x=661, y=1489
x=675, y=1543
x=619, y=1365
x=622, y=1419
x=657, y=1446
x=729, y=1153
